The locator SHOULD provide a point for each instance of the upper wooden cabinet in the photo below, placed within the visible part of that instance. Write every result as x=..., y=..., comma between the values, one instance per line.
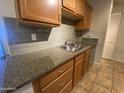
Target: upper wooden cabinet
x=85, y=23
x=44, y=12
x=70, y=4
x=73, y=9
x=80, y=7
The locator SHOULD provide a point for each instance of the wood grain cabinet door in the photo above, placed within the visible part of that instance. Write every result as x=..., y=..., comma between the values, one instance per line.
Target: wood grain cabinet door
x=46, y=11
x=70, y=4
x=80, y=7
x=85, y=23
x=86, y=62
x=88, y=16
x=78, y=68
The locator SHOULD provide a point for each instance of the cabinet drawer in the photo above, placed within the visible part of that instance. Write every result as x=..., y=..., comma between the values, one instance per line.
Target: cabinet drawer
x=55, y=74
x=58, y=84
x=65, y=67
x=52, y=87
x=65, y=78
x=80, y=57
x=67, y=88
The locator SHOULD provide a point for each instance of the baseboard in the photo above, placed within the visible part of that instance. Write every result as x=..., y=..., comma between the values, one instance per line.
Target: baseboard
x=112, y=59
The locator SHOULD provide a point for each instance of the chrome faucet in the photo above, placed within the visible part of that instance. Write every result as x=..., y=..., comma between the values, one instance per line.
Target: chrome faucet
x=69, y=41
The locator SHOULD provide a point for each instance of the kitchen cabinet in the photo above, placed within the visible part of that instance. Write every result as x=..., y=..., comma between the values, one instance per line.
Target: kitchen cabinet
x=85, y=23
x=87, y=60
x=65, y=77
x=58, y=84
x=45, y=13
x=57, y=81
x=73, y=9
x=70, y=5
x=78, y=69
x=80, y=7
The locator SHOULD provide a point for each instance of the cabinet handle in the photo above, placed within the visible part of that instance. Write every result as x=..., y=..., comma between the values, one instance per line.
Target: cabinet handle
x=61, y=83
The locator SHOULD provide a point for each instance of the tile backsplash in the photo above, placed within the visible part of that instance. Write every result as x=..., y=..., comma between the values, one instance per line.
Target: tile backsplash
x=19, y=34
x=21, y=41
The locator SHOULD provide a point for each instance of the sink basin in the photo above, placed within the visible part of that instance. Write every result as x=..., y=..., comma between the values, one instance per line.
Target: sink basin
x=73, y=47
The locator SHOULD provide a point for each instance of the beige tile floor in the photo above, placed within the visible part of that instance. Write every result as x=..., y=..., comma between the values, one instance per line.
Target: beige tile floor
x=106, y=77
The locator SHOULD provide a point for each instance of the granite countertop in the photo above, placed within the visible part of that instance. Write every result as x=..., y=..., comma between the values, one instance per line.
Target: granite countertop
x=16, y=71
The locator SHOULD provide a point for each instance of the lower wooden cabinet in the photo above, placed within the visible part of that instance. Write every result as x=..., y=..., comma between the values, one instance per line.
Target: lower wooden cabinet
x=58, y=84
x=86, y=62
x=78, y=68
x=65, y=77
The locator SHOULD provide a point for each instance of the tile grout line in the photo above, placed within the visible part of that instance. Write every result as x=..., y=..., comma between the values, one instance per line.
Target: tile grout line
x=94, y=80
x=92, y=84
x=100, y=84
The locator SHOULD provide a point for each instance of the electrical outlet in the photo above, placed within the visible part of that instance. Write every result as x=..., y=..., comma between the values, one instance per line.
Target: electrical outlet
x=33, y=37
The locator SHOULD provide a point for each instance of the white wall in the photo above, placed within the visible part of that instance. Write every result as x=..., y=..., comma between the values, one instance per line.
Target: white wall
x=119, y=47
x=100, y=19
x=7, y=8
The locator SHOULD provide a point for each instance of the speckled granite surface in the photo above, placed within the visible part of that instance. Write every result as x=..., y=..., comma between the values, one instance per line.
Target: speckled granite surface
x=89, y=41
x=17, y=71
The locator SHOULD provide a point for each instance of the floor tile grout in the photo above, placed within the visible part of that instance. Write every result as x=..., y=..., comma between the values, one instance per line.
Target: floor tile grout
x=99, y=86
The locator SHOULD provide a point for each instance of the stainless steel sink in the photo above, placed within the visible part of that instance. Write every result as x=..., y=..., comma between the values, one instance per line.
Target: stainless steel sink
x=73, y=47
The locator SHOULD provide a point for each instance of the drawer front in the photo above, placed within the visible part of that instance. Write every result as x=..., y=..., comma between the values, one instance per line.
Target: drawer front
x=67, y=88
x=58, y=84
x=65, y=67
x=52, y=87
x=49, y=78
x=80, y=57
x=55, y=74
x=65, y=78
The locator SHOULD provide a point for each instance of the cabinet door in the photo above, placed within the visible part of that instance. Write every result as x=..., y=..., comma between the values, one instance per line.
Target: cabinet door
x=80, y=7
x=77, y=72
x=86, y=62
x=70, y=4
x=87, y=20
x=88, y=54
x=85, y=23
x=46, y=11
